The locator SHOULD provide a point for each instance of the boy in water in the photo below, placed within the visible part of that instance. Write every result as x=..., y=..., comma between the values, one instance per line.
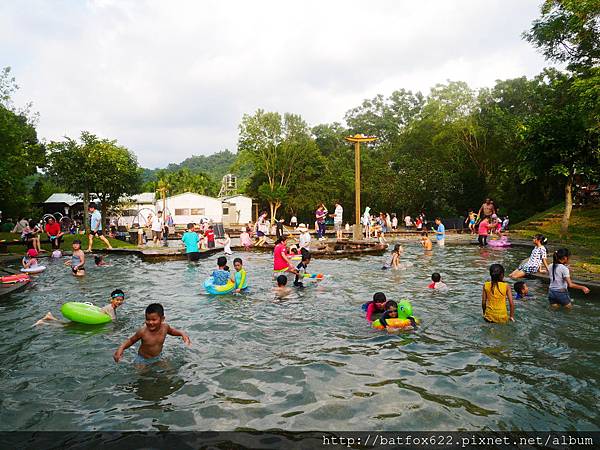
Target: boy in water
x=152, y=335
x=426, y=242
x=522, y=290
x=302, y=269
x=436, y=282
x=281, y=290
x=221, y=275
x=117, y=298
x=239, y=277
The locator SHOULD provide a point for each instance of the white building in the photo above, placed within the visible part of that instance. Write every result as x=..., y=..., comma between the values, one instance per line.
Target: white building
x=190, y=207
x=136, y=209
x=237, y=209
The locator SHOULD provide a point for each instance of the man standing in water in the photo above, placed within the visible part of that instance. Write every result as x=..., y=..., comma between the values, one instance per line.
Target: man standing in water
x=487, y=209
x=96, y=227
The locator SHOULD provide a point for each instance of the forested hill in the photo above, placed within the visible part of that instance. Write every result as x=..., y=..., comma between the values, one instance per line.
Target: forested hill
x=216, y=165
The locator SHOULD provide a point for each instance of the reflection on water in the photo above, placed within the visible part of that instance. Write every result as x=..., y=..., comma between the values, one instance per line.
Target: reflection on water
x=309, y=361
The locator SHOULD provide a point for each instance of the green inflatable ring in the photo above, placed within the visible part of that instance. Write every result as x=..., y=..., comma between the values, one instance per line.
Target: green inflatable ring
x=84, y=313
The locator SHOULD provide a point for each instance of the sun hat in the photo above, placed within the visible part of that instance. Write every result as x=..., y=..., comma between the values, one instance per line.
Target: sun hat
x=302, y=227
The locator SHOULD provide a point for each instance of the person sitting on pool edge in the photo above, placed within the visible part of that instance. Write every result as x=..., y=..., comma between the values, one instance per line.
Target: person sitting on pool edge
x=117, y=298
x=152, y=335
x=221, y=275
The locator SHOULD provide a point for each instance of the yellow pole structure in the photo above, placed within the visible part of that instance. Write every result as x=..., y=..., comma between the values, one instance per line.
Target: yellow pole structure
x=357, y=229
x=357, y=139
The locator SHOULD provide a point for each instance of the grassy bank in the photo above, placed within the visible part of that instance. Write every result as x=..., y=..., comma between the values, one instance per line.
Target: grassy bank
x=66, y=244
x=583, y=238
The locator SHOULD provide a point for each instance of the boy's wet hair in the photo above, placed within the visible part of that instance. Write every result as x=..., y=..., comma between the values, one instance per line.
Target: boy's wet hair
x=190, y=226
x=436, y=277
x=519, y=287
x=424, y=233
x=155, y=308
x=221, y=261
x=98, y=259
x=237, y=260
x=77, y=241
x=390, y=303
x=281, y=280
x=379, y=297
x=117, y=293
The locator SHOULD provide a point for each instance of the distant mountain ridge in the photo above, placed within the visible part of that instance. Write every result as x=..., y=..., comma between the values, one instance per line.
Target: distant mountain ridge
x=215, y=165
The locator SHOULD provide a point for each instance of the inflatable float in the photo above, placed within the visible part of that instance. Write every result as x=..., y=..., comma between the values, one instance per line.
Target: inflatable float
x=84, y=313
x=216, y=289
x=16, y=278
x=35, y=269
x=499, y=243
x=315, y=276
x=403, y=321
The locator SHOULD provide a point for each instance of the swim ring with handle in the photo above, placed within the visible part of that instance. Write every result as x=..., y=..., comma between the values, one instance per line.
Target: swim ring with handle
x=84, y=313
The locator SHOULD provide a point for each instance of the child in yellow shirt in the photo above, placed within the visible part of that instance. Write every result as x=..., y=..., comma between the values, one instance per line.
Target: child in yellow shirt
x=493, y=297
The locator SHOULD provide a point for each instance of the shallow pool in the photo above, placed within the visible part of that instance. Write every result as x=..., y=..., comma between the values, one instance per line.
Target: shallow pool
x=307, y=362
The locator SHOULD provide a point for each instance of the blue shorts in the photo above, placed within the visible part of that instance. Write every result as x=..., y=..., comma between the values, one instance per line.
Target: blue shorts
x=559, y=297
x=139, y=359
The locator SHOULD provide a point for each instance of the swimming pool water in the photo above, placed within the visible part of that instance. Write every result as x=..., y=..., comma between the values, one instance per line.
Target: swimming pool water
x=310, y=361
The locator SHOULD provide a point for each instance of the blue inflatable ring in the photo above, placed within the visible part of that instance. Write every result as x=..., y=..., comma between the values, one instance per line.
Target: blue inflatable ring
x=214, y=289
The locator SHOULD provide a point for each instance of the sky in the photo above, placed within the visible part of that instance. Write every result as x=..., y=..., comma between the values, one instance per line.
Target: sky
x=169, y=79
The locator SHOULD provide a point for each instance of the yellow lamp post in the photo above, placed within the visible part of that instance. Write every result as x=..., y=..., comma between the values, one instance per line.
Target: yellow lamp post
x=357, y=139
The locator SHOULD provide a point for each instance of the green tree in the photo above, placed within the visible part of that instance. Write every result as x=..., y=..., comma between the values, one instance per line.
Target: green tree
x=277, y=148
x=22, y=154
x=98, y=166
x=559, y=136
x=568, y=31
x=183, y=180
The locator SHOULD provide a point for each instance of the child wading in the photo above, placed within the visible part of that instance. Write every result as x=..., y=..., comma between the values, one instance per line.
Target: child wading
x=152, y=335
x=560, y=280
x=494, y=295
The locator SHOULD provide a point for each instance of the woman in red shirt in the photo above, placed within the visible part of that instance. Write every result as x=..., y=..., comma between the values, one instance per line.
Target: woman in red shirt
x=54, y=234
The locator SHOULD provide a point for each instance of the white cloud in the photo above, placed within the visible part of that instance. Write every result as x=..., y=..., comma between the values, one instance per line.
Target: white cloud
x=171, y=79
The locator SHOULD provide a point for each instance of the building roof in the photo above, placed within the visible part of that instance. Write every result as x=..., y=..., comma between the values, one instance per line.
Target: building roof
x=68, y=199
x=61, y=197
x=144, y=197
x=193, y=193
x=229, y=197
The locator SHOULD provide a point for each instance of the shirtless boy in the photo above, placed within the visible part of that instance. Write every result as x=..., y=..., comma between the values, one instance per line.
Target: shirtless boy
x=152, y=335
